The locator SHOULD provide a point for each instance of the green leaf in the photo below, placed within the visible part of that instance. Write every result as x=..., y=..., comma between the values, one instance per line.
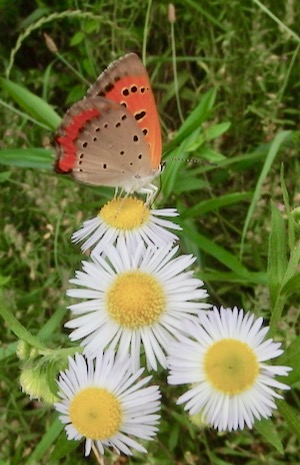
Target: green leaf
x=52, y=323
x=77, y=38
x=274, y=148
x=63, y=447
x=169, y=176
x=277, y=256
x=215, y=204
x=207, y=153
x=292, y=226
x=4, y=280
x=216, y=130
x=232, y=277
x=8, y=350
x=50, y=436
x=4, y=176
x=27, y=158
x=20, y=331
x=194, y=120
x=291, y=358
x=267, y=429
x=291, y=416
x=293, y=263
x=32, y=104
x=222, y=255
x=292, y=286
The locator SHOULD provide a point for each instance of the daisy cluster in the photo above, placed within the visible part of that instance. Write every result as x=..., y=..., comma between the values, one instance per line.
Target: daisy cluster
x=139, y=303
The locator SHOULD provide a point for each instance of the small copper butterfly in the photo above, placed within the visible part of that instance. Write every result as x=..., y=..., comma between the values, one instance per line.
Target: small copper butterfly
x=112, y=136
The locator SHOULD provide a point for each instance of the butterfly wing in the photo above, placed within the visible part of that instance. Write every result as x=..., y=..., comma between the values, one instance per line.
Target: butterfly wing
x=99, y=142
x=126, y=82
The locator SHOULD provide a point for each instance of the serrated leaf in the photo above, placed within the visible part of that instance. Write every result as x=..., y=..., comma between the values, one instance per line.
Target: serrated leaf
x=32, y=104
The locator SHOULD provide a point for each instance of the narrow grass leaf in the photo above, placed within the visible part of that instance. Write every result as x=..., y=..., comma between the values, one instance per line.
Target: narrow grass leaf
x=259, y=278
x=215, y=204
x=38, y=158
x=32, y=104
x=200, y=114
x=172, y=168
x=277, y=255
x=278, y=141
x=52, y=323
x=218, y=252
x=291, y=270
x=52, y=433
x=292, y=227
x=19, y=330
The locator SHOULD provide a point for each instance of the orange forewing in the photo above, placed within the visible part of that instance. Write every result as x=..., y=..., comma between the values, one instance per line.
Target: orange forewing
x=126, y=82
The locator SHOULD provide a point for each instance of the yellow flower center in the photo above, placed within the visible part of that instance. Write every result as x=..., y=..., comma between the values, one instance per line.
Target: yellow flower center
x=231, y=366
x=125, y=213
x=96, y=413
x=135, y=299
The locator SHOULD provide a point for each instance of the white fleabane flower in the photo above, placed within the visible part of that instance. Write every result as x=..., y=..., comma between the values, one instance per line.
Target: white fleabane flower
x=223, y=358
x=103, y=402
x=134, y=298
x=131, y=219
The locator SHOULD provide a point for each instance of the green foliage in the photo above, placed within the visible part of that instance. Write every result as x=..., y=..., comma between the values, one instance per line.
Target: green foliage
x=237, y=87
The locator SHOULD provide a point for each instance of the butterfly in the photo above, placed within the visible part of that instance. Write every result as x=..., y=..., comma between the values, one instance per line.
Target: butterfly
x=112, y=136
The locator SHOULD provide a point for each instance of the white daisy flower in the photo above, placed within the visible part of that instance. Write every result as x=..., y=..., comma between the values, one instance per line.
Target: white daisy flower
x=103, y=402
x=223, y=358
x=130, y=218
x=133, y=298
